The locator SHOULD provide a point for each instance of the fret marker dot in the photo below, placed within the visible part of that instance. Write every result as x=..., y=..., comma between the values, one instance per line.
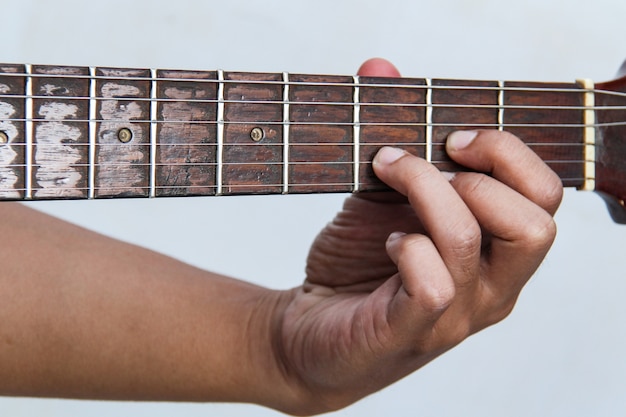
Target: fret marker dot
x=257, y=134
x=4, y=138
x=125, y=135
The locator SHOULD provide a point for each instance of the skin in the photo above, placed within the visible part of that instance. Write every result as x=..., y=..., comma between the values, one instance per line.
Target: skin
x=392, y=282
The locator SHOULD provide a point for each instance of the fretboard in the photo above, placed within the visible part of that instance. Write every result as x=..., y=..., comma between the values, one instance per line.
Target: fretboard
x=81, y=132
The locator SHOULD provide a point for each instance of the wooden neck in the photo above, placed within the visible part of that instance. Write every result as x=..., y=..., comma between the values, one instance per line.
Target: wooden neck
x=77, y=132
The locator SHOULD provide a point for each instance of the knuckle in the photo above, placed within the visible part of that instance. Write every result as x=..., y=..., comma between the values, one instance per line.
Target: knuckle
x=497, y=311
x=434, y=299
x=552, y=194
x=540, y=234
x=466, y=240
x=449, y=336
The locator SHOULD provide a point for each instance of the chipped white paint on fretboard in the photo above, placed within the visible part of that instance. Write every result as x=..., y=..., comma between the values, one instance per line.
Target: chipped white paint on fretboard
x=55, y=157
x=119, y=171
x=8, y=174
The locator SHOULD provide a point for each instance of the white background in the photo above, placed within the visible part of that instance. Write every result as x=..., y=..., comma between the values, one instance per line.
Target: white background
x=562, y=350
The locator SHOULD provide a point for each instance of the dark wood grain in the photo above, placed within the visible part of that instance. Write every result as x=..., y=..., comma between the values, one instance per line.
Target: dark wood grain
x=186, y=146
x=402, y=109
x=252, y=167
x=320, y=135
x=479, y=111
x=560, y=145
x=122, y=169
x=61, y=132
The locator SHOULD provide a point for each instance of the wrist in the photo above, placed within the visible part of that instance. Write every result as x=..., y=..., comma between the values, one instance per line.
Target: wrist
x=271, y=380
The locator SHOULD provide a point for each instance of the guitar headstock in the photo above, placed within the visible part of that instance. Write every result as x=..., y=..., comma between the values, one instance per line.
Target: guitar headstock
x=611, y=145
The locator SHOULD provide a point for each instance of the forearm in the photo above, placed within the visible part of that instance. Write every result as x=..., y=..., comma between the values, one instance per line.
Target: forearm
x=90, y=317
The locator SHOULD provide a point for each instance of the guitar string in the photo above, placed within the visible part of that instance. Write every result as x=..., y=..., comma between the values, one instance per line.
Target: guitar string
x=383, y=82
x=120, y=123
x=294, y=104
x=210, y=77
x=279, y=102
x=278, y=188
x=268, y=163
x=181, y=145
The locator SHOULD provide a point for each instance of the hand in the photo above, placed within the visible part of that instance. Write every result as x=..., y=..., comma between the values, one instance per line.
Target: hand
x=394, y=282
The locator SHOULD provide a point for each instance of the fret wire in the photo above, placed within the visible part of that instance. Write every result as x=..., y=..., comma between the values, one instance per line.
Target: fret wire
x=286, y=127
x=28, y=151
x=220, y=131
x=153, y=132
x=356, y=133
x=429, y=120
x=92, y=132
x=501, y=106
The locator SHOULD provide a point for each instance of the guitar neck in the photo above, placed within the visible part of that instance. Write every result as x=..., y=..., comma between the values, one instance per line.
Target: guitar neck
x=79, y=132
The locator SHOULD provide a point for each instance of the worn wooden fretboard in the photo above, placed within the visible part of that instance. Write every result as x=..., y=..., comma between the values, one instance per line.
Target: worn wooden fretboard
x=80, y=132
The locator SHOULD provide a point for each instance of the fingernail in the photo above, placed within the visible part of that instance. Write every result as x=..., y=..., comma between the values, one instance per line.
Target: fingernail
x=388, y=155
x=448, y=175
x=395, y=236
x=461, y=139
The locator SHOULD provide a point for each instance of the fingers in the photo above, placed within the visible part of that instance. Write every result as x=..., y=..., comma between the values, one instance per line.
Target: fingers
x=454, y=231
x=510, y=161
x=378, y=67
x=484, y=234
x=514, y=207
x=420, y=302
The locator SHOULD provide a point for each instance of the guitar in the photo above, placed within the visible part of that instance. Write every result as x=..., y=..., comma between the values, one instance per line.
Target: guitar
x=83, y=132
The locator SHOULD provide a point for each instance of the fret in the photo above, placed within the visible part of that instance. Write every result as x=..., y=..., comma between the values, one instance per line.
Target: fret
x=356, y=134
x=561, y=137
x=429, y=120
x=123, y=135
x=480, y=110
x=12, y=127
x=408, y=113
x=285, y=133
x=500, y=106
x=28, y=150
x=93, y=132
x=253, y=133
x=220, y=133
x=321, y=134
x=186, y=152
x=153, y=131
x=60, y=151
